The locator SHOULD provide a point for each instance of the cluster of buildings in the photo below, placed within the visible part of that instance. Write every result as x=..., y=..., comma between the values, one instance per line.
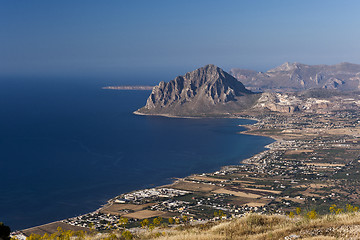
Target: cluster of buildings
x=98, y=221
x=146, y=195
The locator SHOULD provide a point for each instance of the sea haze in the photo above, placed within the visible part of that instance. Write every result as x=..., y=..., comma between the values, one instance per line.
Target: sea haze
x=66, y=147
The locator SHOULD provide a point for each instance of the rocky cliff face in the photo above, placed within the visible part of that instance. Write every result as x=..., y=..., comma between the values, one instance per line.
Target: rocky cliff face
x=207, y=90
x=299, y=77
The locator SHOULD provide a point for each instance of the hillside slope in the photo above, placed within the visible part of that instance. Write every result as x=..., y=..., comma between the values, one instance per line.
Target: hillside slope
x=250, y=227
x=266, y=227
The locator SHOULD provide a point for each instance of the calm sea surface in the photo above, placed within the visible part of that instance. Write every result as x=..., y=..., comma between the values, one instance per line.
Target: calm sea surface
x=67, y=147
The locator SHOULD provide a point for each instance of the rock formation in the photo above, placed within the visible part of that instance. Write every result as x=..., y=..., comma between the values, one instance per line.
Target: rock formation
x=206, y=91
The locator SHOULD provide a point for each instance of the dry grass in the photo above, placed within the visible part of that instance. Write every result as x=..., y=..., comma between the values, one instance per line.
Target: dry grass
x=263, y=227
x=253, y=227
x=51, y=227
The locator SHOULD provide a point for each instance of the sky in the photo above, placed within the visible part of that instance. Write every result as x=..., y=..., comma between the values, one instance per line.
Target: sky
x=115, y=38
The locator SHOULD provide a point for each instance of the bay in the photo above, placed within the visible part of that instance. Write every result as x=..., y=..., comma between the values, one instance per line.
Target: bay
x=67, y=146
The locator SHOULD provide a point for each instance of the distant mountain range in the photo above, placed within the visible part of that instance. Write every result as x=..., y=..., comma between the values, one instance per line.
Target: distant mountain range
x=205, y=91
x=299, y=77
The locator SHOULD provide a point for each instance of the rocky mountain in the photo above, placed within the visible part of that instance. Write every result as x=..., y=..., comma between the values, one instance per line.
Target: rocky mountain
x=299, y=77
x=206, y=91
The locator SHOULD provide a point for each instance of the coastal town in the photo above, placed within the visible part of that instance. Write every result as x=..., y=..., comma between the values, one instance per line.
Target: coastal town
x=313, y=164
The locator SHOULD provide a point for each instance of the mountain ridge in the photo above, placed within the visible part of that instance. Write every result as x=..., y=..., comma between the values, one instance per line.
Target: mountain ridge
x=298, y=77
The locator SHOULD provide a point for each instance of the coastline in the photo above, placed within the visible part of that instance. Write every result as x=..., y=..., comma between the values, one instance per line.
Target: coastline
x=164, y=115
x=308, y=167
x=249, y=129
x=111, y=201
x=186, y=117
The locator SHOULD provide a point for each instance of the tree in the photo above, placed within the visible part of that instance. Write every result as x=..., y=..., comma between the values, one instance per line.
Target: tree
x=144, y=223
x=157, y=221
x=34, y=236
x=339, y=210
x=219, y=214
x=332, y=208
x=151, y=227
x=91, y=226
x=123, y=221
x=127, y=235
x=312, y=214
x=349, y=208
x=4, y=231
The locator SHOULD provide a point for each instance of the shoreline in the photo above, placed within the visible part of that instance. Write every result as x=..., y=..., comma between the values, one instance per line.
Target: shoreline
x=228, y=116
x=174, y=180
x=249, y=129
x=164, y=115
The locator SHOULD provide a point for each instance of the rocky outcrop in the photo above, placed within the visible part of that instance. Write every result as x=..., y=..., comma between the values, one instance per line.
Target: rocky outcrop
x=205, y=91
x=278, y=102
x=307, y=101
x=299, y=77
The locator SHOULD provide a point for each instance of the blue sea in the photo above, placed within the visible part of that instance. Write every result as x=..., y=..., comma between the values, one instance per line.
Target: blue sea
x=66, y=147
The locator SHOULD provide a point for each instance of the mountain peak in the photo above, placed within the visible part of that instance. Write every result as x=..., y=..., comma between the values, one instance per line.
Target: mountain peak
x=195, y=92
x=210, y=68
x=287, y=66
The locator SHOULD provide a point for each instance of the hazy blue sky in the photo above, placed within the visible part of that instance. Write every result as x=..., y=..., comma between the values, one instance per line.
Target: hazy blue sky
x=112, y=38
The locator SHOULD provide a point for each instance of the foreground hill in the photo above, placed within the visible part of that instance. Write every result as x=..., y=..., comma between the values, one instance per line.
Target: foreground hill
x=262, y=227
x=250, y=227
x=206, y=91
x=299, y=77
